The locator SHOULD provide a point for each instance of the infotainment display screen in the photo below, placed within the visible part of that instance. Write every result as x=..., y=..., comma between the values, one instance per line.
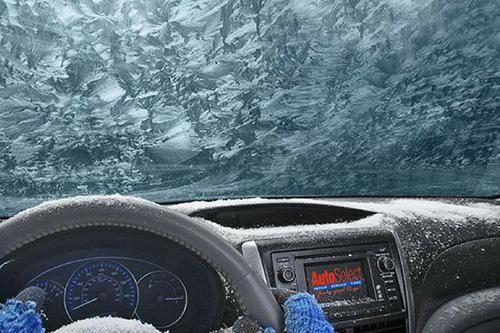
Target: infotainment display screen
x=330, y=282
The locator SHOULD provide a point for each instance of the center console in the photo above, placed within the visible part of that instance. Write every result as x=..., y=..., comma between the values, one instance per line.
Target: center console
x=354, y=285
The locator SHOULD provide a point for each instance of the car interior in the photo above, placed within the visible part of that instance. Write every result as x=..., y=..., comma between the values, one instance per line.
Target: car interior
x=373, y=264
x=250, y=166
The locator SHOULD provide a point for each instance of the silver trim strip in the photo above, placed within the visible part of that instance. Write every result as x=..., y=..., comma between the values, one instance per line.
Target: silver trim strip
x=251, y=254
x=408, y=290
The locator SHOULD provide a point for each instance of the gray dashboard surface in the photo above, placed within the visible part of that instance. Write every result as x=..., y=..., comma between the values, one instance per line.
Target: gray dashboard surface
x=426, y=228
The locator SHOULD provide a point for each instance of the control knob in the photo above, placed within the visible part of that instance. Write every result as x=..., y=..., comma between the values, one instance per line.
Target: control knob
x=386, y=264
x=286, y=274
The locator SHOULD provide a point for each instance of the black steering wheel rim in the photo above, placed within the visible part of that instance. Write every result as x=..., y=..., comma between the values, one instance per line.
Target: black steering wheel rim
x=53, y=217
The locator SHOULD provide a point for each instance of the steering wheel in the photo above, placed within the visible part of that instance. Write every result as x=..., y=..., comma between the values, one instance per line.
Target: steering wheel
x=254, y=296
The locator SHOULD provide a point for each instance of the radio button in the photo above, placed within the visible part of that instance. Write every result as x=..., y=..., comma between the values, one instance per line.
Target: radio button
x=286, y=274
x=283, y=259
x=393, y=298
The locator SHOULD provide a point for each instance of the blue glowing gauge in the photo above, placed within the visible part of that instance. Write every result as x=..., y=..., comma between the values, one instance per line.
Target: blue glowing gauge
x=53, y=291
x=101, y=288
x=53, y=306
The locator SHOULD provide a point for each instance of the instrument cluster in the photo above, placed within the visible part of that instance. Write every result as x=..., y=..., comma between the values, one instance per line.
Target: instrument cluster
x=113, y=286
x=101, y=272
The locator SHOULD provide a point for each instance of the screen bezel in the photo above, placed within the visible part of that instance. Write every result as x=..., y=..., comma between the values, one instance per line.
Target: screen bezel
x=303, y=263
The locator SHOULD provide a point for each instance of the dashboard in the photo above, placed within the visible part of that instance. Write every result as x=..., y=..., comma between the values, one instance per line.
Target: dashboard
x=374, y=265
x=122, y=274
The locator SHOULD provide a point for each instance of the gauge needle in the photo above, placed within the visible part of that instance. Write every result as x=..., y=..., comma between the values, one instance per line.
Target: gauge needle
x=173, y=298
x=84, y=304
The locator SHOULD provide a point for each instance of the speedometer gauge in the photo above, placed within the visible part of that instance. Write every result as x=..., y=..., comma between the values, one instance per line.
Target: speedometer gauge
x=163, y=299
x=101, y=288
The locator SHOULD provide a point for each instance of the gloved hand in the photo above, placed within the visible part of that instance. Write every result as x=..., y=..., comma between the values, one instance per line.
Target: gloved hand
x=20, y=317
x=302, y=315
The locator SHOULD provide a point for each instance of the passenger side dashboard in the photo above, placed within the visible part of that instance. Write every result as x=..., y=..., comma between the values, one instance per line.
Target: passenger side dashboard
x=351, y=234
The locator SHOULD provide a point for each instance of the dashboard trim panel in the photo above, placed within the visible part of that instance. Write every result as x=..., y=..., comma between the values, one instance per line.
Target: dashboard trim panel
x=250, y=252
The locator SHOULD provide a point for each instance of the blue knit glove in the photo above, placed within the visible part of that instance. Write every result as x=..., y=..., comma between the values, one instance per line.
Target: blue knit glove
x=20, y=317
x=304, y=315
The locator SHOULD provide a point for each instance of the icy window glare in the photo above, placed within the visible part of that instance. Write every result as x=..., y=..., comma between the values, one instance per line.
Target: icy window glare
x=183, y=99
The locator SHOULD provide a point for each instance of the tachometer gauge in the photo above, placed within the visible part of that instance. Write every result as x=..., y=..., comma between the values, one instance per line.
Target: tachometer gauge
x=101, y=288
x=163, y=299
x=53, y=291
x=53, y=306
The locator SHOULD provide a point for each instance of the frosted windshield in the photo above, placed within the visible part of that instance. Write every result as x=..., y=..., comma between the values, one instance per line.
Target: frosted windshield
x=180, y=100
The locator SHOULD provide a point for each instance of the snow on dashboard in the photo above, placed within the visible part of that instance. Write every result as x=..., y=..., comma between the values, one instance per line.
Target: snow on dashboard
x=401, y=208
x=293, y=232
x=425, y=227
x=404, y=208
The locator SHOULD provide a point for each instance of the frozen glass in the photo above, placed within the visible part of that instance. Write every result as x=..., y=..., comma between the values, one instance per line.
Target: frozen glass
x=192, y=99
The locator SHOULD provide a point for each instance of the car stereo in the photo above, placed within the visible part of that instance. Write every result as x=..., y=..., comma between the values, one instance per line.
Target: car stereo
x=348, y=283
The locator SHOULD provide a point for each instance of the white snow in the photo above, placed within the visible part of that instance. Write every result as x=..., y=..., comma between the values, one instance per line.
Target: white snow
x=107, y=325
x=434, y=209
x=310, y=232
x=100, y=200
x=401, y=208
